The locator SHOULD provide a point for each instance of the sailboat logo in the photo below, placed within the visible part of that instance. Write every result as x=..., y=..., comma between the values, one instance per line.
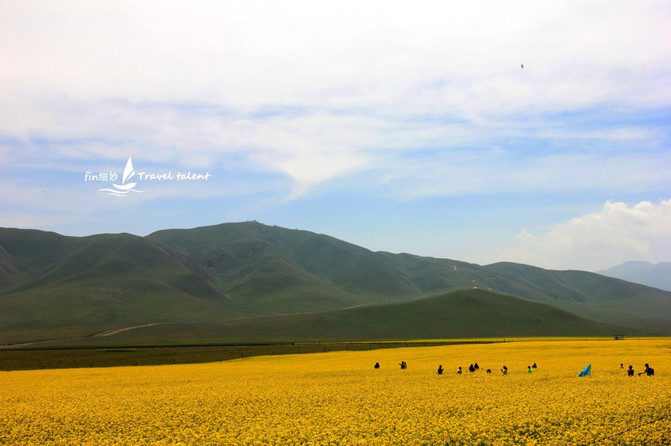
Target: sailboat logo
x=126, y=186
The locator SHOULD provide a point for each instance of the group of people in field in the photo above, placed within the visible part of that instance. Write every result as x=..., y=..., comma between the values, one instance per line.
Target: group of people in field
x=649, y=371
x=471, y=368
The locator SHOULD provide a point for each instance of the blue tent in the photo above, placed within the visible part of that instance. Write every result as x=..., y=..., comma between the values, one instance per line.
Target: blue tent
x=587, y=371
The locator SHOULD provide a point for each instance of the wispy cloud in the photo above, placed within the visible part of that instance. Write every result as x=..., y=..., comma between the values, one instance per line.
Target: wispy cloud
x=437, y=155
x=347, y=82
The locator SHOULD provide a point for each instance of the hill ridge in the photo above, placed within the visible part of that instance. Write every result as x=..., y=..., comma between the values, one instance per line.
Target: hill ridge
x=55, y=283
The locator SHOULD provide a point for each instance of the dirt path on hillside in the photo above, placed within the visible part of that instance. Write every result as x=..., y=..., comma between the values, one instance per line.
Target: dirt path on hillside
x=120, y=330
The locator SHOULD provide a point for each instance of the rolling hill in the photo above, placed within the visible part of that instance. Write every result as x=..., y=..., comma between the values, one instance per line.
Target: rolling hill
x=64, y=286
x=52, y=286
x=458, y=314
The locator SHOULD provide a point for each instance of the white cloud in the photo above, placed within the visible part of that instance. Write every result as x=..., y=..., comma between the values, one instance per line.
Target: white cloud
x=615, y=234
x=351, y=83
x=253, y=53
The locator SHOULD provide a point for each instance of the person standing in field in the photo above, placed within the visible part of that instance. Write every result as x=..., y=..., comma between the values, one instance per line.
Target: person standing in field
x=630, y=371
x=440, y=369
x=459, y=371
x=504, y=370
x=403, y=365
x=529, y=371
x=377, y=365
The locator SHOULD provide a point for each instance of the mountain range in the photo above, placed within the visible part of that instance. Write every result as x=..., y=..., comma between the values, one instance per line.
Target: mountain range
x=248, y=282
x=655, y=275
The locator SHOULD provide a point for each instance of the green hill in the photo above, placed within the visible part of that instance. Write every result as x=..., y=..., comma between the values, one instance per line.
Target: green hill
x=98, y=283
x=586, y=294
x=52, y=286
x=271, y=269
x=466, y=313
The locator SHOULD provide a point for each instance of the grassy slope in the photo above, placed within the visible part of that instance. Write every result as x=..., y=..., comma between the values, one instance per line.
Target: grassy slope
x=582, y=293
x=24, y=253
x=56, y=286
x=270, y=269
x=588, y=295
x=99, y=283
x=467, y=313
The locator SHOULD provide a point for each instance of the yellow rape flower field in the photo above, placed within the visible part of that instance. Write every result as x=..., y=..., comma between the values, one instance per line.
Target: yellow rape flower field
x=338, y=398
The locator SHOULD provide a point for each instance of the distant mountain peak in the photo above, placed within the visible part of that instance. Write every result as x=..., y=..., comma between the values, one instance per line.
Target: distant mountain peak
x=638, y=271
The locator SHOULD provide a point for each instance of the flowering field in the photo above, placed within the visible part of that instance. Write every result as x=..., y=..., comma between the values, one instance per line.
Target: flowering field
x=338, y=398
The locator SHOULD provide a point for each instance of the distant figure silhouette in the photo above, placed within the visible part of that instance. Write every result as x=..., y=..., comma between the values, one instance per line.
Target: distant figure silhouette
x=476, y=366
x=648, y=371
x=471, y=368
x=489, y=370
x=504, y=370
x=622, y=366
x=459, y=371
x=630, y=371
x=529, y=371
x=377, y=365
x=403, y=365
x=534, y=366
x=522, y=65
x=440, y=369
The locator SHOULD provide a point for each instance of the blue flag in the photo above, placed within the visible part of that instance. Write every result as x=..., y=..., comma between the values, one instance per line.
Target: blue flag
x=586, y=371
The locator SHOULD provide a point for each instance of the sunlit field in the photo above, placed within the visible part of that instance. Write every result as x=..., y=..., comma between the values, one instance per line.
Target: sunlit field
x=339, y=398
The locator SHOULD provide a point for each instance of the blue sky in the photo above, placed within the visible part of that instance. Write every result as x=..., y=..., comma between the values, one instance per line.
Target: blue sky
x=398, y=126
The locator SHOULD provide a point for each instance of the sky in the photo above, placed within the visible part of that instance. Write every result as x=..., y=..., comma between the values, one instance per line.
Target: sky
x=525, y=131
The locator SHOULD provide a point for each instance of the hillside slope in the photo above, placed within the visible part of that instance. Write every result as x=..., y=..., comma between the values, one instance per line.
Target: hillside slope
x=63, y=287
x=466, y=313
x=57, y=286
x=586, y=294
x=269, y=269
